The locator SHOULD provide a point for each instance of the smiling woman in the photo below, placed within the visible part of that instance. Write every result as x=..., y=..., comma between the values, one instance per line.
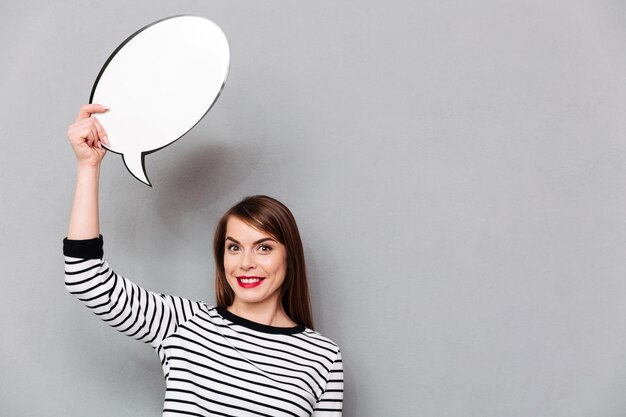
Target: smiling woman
x=255, y=266
x=256, y=352
x=259, y=238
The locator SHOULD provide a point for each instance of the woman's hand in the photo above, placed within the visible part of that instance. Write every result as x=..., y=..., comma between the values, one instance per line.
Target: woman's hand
x=86, y=136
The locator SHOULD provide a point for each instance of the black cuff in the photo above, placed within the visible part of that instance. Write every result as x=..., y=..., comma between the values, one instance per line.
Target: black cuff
x=84, y=249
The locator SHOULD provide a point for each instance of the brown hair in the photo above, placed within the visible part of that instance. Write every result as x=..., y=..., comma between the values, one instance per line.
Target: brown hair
x=274, y=218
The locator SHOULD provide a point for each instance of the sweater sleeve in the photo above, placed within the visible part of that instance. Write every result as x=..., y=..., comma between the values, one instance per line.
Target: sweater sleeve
x=330, y=403
x=143, y=315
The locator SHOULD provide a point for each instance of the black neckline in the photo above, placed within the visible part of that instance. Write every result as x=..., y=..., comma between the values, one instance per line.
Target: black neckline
x=258, y=326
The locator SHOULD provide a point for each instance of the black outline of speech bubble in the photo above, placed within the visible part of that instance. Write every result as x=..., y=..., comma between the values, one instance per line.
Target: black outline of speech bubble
x=110, y=58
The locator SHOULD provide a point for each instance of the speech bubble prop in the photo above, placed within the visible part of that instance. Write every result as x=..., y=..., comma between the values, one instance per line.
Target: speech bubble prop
x=158, y=84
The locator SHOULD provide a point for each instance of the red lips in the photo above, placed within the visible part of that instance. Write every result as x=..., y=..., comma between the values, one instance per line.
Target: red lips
x=249, y=282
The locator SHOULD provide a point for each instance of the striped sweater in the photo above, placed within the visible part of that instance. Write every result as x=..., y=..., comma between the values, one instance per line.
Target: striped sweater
x=215, y=363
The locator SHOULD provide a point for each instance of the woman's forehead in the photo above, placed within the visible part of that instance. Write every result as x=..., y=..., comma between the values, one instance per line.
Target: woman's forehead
x=242, y=231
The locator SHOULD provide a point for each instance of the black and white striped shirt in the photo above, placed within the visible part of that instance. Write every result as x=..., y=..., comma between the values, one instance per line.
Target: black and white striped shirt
x=215, y=363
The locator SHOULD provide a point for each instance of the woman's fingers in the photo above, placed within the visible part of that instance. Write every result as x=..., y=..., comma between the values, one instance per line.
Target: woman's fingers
x=86, y=135
x=92, y=136
x=102, y=134
x=79, y=132
x=88, y=131
x=88, y=109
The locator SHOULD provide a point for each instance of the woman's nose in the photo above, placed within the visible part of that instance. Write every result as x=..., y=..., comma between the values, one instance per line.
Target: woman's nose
x=247, y=260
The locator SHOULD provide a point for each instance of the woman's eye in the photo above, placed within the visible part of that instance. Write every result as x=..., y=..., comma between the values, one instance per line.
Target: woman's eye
x=232, y=248
x=265, y=248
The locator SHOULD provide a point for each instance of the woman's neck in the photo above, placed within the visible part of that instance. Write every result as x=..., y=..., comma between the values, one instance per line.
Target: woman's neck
x=259, y=313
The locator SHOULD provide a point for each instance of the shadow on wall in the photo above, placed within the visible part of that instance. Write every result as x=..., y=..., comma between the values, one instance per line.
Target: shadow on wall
x=192, y=176
x=202, y=177
x=218, y=156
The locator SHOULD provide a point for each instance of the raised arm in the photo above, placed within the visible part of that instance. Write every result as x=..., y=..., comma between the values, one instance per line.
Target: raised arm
x=86, y=136
x=144, y=315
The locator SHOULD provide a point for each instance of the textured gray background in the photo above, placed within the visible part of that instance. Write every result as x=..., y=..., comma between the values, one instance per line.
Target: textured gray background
x=458, y=171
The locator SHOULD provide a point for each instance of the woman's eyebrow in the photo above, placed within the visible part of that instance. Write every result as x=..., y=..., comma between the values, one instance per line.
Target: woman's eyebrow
x=254, y=243
x=263, y=240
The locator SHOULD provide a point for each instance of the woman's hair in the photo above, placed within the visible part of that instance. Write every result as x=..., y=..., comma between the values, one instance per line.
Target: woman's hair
x=272, y=217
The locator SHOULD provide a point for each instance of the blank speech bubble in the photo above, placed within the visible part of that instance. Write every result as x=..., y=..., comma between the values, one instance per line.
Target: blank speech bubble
x=158, y=84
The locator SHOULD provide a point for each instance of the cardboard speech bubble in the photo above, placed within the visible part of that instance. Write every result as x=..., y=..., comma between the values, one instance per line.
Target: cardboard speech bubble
x=158, y=84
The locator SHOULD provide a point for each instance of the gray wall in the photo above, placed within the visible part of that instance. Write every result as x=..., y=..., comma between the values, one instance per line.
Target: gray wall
x=458, y=171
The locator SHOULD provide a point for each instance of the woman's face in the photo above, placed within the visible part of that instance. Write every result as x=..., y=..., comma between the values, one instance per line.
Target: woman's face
x=255, y=264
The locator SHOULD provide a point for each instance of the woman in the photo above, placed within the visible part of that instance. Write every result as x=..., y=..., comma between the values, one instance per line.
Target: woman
x=255, y=353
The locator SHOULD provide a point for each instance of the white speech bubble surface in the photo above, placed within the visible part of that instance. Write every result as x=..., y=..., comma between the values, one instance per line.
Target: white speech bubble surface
x=158, y=84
